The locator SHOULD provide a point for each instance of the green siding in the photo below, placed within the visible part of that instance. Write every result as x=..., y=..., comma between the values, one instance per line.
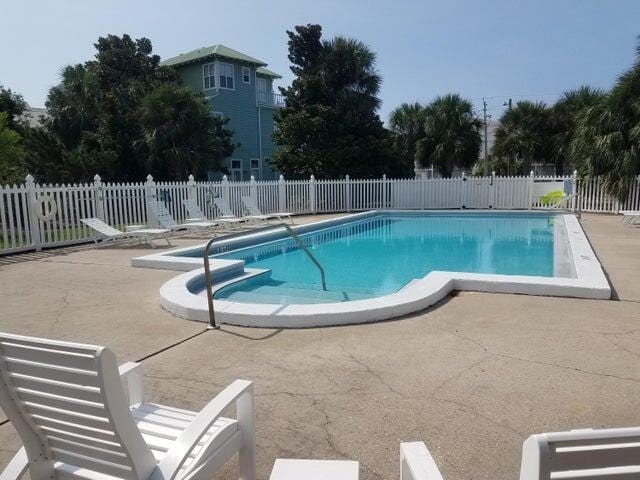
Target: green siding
x=240, y=106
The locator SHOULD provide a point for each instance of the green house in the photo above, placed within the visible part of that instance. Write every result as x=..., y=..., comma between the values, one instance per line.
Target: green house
x=241, y=88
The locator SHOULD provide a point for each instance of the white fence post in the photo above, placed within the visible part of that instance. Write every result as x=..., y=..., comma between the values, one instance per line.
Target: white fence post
x=282, y=195
x=98, y=197
x=493, y=189
x=531, y=182
x=191, y=188
x=253, y=189
x=225, y=189
x=347, y=193
x=149, y=196
x=312, y=194
x=34, y=225
x=384, y=191
x=574, y=189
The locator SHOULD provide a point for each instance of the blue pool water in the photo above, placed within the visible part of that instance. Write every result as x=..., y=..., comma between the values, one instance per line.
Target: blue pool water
x=379, y=255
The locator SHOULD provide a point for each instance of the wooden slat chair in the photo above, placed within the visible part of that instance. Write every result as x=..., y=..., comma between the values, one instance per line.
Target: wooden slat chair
x=67, y=403
x=252, y=208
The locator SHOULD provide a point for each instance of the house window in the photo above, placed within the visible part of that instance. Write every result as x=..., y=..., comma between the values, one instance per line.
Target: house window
x=225, y=75
x=236, y=170
x=246, y=75
x=255, y=168
x=209, y=76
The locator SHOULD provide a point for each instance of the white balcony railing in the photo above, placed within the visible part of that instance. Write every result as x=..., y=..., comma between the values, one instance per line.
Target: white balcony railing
x=270, y=99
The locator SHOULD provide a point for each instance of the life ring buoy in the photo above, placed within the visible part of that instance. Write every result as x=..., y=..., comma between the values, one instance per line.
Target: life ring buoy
x=48, y=212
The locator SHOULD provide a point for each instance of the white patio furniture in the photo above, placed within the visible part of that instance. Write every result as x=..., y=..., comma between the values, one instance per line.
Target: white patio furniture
x=252, y=208
x=104, y=233
x=294, y=469
x=164, y=218
x=578, y=454
x=225, y=210
x=67, y=403
x=196, y=214
x=630, y=217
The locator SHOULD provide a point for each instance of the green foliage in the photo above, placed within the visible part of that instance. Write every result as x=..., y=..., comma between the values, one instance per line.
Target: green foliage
x=180, y=135
x=329, y=127
x=407, y=124
x=606, y=141
x=524, y=136
x=11, y=153
x=451, y=135
x=13, y=105
x=552, y=198
x=95, y=124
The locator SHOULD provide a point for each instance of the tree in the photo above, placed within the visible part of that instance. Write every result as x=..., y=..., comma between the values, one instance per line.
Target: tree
x=407, y=126
x=329, y=126
x=13, y=105
x=524, y=136
x=11, y=153
x=452, y=135
x=606, y=141
x=95, y=125
x=181, y=137
x=564, y=115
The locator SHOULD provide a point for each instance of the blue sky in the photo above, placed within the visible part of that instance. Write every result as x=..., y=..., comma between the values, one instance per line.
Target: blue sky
x=525, y=49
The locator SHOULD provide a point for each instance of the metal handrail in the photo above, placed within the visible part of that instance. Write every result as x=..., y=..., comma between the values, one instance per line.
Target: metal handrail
x=207, y=269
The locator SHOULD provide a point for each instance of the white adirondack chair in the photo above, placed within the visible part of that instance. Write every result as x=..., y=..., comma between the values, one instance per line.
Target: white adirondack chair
x=225, y=210
x=107, y=233
x=252, y=208
x=165, y=220
x=196, y=214
x=67, y=403
x=604, y=454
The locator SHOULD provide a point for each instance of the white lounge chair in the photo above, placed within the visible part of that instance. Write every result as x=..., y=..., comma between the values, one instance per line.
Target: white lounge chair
x=225, y=211
x=577, y=454
x=252, y=208
x=165, y=220
x=196, y=214
x=630, y=217
x=108, y=233
x=67, y=403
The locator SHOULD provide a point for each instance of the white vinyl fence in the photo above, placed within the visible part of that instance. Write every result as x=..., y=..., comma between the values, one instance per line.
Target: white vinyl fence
x=35, y=216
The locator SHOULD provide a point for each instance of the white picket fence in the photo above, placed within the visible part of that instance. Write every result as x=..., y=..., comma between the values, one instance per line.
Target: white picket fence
x=34, y=216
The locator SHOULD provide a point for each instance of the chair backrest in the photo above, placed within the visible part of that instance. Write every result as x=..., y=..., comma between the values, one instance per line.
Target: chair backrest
x=609, y=453
x=67, y=403
x=224, y=207
x=101, y=227
x=193, y=209
x=251, y=206
x=162, y=214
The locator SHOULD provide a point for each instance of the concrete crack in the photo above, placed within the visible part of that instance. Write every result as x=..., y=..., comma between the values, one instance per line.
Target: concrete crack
x=370, y=371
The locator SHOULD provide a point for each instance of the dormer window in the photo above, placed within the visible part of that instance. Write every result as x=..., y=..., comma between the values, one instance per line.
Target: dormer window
x=225, y=75
x=209, y=76
x=246, y=75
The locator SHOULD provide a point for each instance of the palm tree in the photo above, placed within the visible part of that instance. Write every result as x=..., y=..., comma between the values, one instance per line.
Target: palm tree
x=452, y=135
x=564, y=115
x=524, y=136
x=407, y=125
x=607, y=136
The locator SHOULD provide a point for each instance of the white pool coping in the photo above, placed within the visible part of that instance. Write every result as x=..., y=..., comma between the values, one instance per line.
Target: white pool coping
x=177, y=296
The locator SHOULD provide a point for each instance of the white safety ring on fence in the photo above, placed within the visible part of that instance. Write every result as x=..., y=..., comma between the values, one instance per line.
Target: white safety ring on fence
x=48, y=212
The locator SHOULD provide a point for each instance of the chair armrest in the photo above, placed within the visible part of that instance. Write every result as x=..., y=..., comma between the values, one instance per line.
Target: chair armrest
x=132, y=373
x=16, y=467
x=416, y=463
x=170, y=465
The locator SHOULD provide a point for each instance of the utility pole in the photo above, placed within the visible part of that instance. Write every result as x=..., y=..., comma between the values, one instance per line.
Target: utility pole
x=486, y=153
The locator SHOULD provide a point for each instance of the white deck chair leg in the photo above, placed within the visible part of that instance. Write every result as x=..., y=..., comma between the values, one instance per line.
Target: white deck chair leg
x=246, y=418
x=17, y=467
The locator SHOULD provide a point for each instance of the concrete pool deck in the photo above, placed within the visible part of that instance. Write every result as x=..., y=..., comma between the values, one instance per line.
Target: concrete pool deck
x=472, y=376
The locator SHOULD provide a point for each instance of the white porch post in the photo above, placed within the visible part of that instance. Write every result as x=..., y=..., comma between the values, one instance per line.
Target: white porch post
x=34, y=225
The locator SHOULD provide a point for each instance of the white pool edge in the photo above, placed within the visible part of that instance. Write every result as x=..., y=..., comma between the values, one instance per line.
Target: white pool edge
x=176, y=297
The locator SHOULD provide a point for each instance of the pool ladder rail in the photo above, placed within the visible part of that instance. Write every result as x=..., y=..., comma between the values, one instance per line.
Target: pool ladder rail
x=207, y=268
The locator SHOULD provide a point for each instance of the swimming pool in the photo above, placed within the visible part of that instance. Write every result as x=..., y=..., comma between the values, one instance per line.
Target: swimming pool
x=380, y=255
x=379, y=265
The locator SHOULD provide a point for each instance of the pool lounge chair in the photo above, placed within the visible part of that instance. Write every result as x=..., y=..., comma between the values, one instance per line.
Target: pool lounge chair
x=225, y=210
x=195, y=214
x=107, y=233
x=577, y=454
x=252, y=208
x=630, y=217
x=166, y=220
x=67, y=403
